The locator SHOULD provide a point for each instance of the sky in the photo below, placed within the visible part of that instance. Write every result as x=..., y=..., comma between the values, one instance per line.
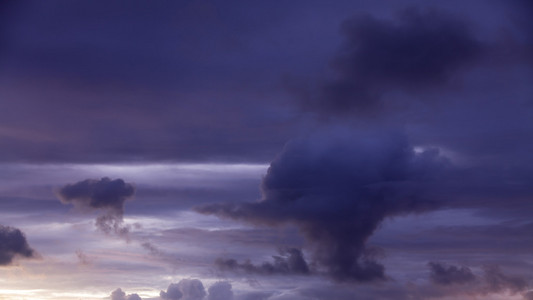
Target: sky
x=266, y=150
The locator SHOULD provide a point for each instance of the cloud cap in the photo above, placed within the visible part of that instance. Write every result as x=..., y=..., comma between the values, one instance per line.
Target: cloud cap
x=97, y=194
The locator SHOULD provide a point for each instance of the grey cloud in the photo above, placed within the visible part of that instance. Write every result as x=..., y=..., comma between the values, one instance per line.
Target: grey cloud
x=497, y=281
x=83, y=259
x=97, y=194
x=186, y=289
x=337, y=188
x=221, y=290
x=118, y=294
x=420, y=50
x=173, y=292
x=528, y=295
x=290, y=261
x=105, y=195
x=492, y=281
x=447, y=275
x=13, y=244
x=193, y=289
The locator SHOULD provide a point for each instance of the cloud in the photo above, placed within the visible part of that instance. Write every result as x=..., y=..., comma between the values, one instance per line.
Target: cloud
x=493, y=280
x=83, y=259
x=221, y=290
x=105, y=195
x=290, y=261
x=173, y=292
x=448, y=275
x=118, y=294
x=337, y=188
x=97, y=194
x=186, y=289
x=528, y=295
x=13, y=244
x=419, y=50
x=497, y=281
x=193, y=289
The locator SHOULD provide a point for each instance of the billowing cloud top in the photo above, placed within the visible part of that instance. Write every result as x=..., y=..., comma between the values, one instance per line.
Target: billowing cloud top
x=337, y=188
x=118, y=294
x=97, y=194
x=186, y=289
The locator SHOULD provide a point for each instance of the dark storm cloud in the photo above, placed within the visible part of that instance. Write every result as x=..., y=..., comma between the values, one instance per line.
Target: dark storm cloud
x=290, y=261
x=105, y=195
x=13, y=244
x=337, y=188
x=447, y=275
x=118, y=294
x=422, y=49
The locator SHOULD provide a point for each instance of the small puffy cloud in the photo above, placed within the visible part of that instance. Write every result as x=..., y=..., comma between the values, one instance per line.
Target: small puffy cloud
x=104, y=195
x=447, y=275
x=13, y=244
x=186, y=289
x=173, y=292
x=221, y=290
x=118, y=294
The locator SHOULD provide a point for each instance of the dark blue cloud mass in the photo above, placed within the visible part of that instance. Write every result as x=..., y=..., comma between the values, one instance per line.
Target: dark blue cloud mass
x=13, y=244
x=421, y=50
x=337, y=188
x=290, y=262
x=105, y=195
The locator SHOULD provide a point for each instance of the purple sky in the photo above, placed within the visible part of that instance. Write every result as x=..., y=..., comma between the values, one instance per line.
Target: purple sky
x=266, y=150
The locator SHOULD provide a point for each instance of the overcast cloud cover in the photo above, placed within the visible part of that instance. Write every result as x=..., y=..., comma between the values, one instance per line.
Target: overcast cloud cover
x=206, y=150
